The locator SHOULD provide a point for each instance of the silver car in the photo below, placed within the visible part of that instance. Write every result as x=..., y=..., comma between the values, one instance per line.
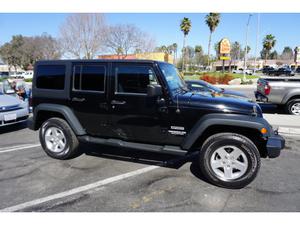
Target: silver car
x=12, y=110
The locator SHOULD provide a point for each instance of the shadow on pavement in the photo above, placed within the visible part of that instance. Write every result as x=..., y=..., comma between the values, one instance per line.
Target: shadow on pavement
x=13, y=128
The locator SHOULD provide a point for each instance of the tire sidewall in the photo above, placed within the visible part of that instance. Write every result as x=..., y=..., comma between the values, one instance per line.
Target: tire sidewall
x=54, y=123
x=250, y=152
x=290, y=104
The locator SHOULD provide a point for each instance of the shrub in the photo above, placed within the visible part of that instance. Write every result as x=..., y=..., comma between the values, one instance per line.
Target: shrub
x=217, y=79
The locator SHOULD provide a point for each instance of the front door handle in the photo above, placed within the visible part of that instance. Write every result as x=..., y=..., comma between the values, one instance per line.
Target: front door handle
x=75, y=99
x=116, y=102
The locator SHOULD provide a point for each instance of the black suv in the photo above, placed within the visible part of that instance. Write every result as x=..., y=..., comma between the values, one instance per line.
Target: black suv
x=145, y=105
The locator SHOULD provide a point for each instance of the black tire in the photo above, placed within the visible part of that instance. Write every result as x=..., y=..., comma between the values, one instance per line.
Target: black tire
x=229, y=139
x=71, y=148
x=289, y=105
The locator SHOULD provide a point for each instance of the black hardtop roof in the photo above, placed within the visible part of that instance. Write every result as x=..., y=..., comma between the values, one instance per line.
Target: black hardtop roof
x=98, y=60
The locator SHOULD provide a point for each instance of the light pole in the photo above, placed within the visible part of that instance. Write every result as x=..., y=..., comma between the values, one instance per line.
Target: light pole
x=257, y=39
x=246, y=47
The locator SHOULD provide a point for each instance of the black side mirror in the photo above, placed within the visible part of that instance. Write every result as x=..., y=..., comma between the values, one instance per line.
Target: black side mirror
x=154, y=90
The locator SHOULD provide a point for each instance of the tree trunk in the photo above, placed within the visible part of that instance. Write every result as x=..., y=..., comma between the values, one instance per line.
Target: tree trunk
x=183, y=53
x=208, y=54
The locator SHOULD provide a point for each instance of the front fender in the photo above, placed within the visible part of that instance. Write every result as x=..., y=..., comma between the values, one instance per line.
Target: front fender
x=236, y=120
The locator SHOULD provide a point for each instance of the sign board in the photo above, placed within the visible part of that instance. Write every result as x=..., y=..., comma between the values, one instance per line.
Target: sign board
x=297, y=55
x=225, y=46
x=224, y=57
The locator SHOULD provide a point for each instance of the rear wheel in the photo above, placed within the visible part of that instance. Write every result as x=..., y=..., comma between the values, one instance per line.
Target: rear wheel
x=58, y=139
x=229, y=160
x=293, y=107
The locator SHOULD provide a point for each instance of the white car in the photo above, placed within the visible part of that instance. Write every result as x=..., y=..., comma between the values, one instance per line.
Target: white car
x=241, y=71
x=12, y=110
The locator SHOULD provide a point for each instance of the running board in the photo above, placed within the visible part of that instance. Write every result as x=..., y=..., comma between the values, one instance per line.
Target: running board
x=166, y=149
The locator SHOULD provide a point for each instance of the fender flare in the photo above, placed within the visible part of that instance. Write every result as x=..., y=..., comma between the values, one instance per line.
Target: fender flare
x=290, y=95
x=65, y=111
x=244, y=121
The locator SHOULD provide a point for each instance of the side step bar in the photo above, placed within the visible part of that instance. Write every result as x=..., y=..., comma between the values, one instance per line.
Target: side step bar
x=166, y=149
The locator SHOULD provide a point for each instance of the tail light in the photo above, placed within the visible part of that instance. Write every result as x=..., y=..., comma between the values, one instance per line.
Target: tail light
x=267, y=89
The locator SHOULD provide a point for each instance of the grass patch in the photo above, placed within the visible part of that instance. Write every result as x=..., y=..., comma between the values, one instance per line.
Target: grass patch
x=197, y=76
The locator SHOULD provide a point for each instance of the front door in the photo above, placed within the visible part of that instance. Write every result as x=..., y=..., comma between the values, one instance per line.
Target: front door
x=89, y=97
x=134, y=115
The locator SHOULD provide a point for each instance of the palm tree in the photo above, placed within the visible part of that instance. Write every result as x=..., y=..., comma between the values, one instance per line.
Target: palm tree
x=185, y=27
x=212, y=20
x=268, y=43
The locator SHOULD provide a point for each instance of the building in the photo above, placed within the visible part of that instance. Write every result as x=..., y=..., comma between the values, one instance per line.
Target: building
x=159, y=56
x=260, y=63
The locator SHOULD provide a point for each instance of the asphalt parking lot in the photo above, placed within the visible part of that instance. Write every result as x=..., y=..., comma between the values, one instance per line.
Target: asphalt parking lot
x=99, y=180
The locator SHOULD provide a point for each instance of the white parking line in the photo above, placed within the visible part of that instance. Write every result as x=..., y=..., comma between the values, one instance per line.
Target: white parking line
x=18, y=148
x=78, y=189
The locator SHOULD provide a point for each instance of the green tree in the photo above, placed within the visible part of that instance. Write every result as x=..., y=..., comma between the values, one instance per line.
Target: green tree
x=175, y=47
x=287, y=53
x=185, y=27
x=268, y=43
x=212, y=20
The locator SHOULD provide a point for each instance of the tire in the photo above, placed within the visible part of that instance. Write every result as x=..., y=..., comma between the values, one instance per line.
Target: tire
x=293, y=107
x=58, y=128
x=249, y=157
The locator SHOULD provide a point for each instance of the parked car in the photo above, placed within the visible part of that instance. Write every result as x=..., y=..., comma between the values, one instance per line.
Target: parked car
x=203, y=86
x=145, y=105
x=297, y=70
x=12, y=110
x=241, y=71
x=280, y=91
x=4, y=74
x=280, y=71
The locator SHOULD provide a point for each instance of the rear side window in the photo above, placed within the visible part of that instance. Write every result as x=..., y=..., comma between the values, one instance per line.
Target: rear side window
x=89, y=78
x=134, y=79
x=51, y=77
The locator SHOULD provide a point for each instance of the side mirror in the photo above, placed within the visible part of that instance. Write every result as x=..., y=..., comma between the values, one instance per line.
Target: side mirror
x=154, y=90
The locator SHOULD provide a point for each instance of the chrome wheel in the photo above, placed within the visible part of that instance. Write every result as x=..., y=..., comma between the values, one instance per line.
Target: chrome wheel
x=295, y=108
x=55, y=139
x=229, y=163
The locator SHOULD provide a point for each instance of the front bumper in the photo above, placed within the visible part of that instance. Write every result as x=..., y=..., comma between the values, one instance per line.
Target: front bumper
x=274, y=145
x=21, y=116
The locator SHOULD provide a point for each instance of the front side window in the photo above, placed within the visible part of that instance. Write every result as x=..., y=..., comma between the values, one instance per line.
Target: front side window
x=134, y=79
x=51, y=77
x=89, y=78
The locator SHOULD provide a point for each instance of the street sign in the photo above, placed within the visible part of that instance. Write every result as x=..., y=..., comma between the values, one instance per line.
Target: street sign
x=297, y=54
x=224, y=57
x=225, y=46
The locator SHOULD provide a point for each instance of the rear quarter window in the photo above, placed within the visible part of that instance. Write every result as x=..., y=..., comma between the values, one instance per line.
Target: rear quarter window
x=51, y=77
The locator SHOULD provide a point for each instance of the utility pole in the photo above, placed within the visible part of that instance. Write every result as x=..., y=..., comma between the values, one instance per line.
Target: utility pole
x=257, y=39
x=246, y=46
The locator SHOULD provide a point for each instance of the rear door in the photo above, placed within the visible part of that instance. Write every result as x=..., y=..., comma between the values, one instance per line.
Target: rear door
x=89, y=97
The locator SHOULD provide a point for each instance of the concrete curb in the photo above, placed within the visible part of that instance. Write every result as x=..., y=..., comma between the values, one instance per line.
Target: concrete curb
x=289, y=131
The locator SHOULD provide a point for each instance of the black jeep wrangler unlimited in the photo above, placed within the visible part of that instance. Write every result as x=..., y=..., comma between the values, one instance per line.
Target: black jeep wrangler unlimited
x=145, y=105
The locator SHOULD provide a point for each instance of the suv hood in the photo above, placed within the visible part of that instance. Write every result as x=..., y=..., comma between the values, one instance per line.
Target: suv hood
x=218, y=104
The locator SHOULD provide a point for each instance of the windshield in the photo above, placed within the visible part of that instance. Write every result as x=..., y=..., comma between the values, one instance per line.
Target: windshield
x=175, y=82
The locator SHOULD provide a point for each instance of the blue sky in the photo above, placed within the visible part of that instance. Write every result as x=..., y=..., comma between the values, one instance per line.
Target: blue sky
x=164, y=27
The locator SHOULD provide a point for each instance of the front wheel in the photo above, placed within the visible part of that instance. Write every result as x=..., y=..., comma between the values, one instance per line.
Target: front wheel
x=229, y=160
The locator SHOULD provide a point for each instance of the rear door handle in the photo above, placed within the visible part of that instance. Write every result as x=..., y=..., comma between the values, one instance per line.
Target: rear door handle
x=115, y=102
x=78, y=99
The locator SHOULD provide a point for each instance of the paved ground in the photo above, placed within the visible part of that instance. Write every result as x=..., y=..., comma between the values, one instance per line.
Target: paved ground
x=31, y=181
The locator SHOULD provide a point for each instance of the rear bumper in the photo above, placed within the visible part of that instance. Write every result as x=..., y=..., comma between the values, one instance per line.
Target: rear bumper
x=274, y=145
x=260, y=97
